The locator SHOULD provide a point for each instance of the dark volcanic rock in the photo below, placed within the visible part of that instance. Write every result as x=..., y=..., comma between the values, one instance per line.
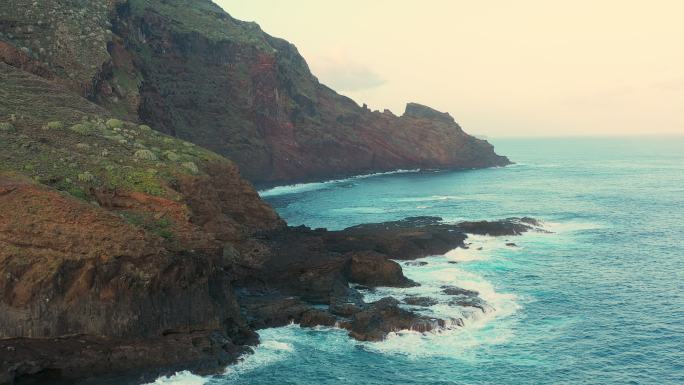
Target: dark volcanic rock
x=420, y=301
x=272, y=310
x=409, y=238
x=510, y=226
x=374, y=269
x=453, y=290
x=102, y=360
x=315, y=317
x=384, y=316
x=345, y=309
x=465, y=298
x=475, y=302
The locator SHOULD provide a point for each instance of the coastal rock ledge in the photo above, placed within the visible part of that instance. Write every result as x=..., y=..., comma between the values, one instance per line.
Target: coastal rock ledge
x=101, y=298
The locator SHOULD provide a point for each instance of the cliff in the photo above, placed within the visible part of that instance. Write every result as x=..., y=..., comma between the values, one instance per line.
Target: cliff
x=192, y=71
x=127, y=252
x=113, y=234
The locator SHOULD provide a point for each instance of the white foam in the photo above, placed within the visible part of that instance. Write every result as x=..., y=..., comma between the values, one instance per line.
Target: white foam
x=571, y=226
x=480, y=247
x=269, y=351
x=302, y=187
x=513, y=165
x=467, y=327
x=180, y=378
x=360, y=210
x=276, y=345
x=432, y=198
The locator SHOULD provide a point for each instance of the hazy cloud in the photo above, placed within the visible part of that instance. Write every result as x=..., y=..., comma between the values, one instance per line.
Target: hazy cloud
x=671, y=85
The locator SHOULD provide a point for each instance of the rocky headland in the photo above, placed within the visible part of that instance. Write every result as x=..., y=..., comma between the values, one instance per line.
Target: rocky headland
x=131, y=246
x=190, y=70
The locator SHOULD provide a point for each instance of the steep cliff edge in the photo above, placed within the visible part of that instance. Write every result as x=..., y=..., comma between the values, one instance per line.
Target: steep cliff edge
x=112, y=242
x=126, y=252
x=192, y=71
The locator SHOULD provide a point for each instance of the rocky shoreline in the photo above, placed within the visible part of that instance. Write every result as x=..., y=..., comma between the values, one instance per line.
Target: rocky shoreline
x=312, y=278
x=132, y=241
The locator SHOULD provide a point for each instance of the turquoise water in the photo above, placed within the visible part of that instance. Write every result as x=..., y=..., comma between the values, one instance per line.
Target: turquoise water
x=598, y=301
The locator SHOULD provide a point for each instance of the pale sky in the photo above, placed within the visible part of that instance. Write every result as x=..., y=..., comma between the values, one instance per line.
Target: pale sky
x=501, y=68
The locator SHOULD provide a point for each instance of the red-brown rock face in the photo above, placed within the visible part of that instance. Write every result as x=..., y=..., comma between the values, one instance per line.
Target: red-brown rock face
x=256, y=102
x=70, y=267
x=190, y=70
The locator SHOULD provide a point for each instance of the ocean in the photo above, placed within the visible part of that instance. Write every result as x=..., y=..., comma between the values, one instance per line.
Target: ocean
x=598, y=300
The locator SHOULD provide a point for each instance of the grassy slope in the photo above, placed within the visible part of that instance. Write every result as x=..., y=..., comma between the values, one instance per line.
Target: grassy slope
x=64, y=141
x=61, y=140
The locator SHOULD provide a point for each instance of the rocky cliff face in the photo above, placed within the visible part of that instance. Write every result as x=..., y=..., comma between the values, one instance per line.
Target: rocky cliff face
x=126, y=252
x=192, y=71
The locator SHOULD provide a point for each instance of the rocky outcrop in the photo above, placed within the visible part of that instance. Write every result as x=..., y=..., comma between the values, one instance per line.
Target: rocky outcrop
x=91, y=359
x=385, y=316
x=420, y=301
x=309, y=273
x=374, y=269
x=76, y=276
x=192, y=71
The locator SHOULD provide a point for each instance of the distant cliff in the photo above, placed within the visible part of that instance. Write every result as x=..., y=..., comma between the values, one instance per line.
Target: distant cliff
x=190, y=70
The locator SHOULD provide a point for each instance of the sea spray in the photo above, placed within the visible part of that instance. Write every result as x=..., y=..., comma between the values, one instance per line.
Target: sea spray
x=181, y=378
x=464, y=323
x=303, y=187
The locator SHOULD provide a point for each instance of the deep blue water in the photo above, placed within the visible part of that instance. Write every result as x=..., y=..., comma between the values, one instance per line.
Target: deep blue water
x=598, y=301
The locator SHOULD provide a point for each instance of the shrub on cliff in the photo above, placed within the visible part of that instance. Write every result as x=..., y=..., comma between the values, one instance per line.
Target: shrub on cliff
x=5, y=126
x=115, y=137
x=83, y=128
x=114, y=123
x=86, y=177
x=145, y=155
x=172, y=156
x=54, y=125
x=191, y=166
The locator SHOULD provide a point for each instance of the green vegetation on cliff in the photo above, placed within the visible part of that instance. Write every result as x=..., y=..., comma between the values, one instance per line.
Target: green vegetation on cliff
x=74, y=146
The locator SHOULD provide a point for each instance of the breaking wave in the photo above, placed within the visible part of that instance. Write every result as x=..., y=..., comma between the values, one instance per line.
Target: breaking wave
x=303, y=187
